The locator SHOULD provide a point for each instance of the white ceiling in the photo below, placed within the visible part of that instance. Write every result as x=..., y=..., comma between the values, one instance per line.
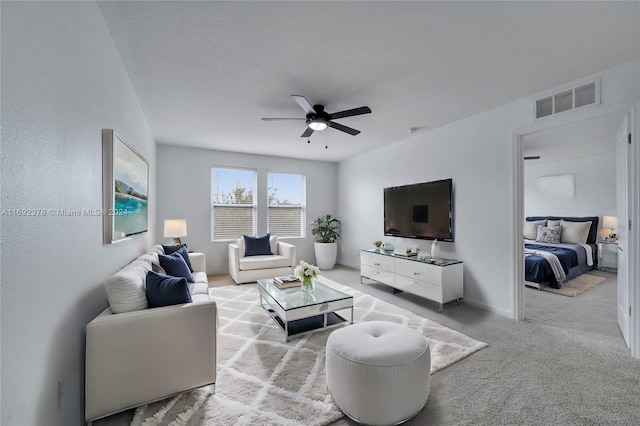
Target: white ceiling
x=206, y=72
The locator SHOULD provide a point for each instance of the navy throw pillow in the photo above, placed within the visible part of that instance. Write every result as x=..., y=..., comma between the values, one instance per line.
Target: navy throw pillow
x=163, y=290
x=256, y=245
x=182, y=249
x=175, y=266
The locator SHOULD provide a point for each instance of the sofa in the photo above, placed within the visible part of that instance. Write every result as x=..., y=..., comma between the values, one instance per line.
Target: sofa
x=135, y=354
x=245, y=269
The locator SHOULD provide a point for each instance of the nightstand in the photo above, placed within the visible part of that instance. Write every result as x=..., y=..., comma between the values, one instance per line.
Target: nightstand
x=608, y=256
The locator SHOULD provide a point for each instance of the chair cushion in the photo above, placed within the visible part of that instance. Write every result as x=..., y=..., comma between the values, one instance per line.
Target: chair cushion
x=163, y=290
x=263, y=262
x=257, y=245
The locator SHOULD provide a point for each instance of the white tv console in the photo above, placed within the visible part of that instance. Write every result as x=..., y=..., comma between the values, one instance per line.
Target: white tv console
x=438, y=280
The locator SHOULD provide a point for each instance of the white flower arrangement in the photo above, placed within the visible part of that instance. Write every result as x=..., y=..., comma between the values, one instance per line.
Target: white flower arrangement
x=306, y=271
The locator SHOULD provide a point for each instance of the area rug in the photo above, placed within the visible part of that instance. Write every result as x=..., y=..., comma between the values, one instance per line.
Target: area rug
x=574, y=287
x=263, y=380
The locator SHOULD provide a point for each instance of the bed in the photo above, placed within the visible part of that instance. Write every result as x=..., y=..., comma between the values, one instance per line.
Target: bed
x=554, y=262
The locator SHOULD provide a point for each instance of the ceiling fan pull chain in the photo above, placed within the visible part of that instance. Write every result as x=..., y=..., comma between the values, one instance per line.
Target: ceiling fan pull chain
x=326, y=135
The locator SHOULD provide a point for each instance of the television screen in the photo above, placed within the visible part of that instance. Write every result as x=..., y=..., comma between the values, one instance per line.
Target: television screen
x=422, y=210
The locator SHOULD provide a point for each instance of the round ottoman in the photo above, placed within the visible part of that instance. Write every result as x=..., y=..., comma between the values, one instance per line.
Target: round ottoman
x=378, y=371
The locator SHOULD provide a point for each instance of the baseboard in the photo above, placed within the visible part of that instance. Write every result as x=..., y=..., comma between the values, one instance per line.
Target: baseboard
x=498, y=311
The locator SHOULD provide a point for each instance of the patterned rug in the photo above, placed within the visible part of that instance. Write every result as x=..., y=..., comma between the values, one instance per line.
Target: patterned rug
x=263, y=380
x=574, y=287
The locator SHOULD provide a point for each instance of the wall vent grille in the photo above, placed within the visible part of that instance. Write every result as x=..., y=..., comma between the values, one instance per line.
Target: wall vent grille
x=568, y=99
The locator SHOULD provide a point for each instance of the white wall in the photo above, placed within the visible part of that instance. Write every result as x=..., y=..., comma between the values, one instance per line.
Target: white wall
x=184, y=182
x=62, y=82
x=477, y=152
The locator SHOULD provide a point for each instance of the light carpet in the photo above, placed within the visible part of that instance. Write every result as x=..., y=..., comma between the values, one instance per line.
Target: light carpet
x=263, y=380
x=574, y=287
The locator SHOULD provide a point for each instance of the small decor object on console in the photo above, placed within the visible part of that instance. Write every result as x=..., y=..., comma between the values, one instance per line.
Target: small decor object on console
x=435, y=249
x=307, y=273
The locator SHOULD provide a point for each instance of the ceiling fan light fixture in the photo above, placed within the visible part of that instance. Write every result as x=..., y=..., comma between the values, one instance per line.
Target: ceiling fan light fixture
x=317, y=124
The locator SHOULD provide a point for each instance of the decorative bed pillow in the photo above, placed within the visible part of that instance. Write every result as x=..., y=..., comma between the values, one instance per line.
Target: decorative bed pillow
x=548, y=235
x=530, y=230
x=175, y=266
x=257, y=245
x=163, y=290
x=574, y=232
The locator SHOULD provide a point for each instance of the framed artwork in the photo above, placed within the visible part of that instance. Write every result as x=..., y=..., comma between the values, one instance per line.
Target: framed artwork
x=125, y=177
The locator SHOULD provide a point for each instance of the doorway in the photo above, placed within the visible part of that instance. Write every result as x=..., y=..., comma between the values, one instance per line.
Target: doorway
x=630, y=110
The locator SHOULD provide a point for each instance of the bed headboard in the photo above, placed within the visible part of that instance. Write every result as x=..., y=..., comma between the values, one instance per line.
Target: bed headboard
x=593, y=230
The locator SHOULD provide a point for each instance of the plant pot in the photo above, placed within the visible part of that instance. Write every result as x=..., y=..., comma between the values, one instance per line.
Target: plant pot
x=326, y=254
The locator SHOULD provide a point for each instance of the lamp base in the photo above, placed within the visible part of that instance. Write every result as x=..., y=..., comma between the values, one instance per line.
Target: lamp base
x=177, y=242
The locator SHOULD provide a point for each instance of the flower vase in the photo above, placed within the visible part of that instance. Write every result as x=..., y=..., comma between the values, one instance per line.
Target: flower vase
x=307, y=285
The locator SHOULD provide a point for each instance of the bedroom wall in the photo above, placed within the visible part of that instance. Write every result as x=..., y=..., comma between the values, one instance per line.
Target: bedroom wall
x=586, y=150
x=185, y=187
x=62, y=82
x=477, y=152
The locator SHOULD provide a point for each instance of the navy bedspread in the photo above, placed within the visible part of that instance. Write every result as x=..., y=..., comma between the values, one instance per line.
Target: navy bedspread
x=537, y=269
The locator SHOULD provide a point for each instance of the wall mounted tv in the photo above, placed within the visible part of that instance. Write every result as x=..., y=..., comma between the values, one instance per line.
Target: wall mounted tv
x=422, y=210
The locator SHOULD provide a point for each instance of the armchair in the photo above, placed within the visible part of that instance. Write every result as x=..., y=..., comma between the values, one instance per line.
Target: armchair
x=246, y=269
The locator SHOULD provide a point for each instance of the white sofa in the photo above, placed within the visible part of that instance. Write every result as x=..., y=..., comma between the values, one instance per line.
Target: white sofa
x=140, y=355
x=246, y=269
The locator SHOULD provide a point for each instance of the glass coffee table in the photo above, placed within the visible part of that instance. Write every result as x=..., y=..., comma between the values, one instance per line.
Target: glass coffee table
x=297, y=312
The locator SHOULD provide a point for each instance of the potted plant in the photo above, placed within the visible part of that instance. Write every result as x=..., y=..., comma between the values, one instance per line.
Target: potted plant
x=326, y=229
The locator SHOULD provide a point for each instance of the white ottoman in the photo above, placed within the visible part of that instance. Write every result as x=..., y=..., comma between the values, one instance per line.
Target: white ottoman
x=378, y=372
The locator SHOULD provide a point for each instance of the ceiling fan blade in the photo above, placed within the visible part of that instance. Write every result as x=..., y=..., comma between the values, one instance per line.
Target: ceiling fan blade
x=304, y=104
x=350, y=112
x=281, y=119
x=307, y=133
x=345, y=129
x=532, y=157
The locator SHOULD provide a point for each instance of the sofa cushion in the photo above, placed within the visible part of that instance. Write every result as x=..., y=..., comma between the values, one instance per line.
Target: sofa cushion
x=163, y=290
x=200, y=277
x=126, y=288
x=263, y=262
x=257, y=245
x=198, y=288
x=158, y=269
x=273, y=243
x=175, y=266
x=182, y=249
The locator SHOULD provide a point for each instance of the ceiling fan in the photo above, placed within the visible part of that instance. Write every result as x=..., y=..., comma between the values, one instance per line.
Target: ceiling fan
x=318, y=119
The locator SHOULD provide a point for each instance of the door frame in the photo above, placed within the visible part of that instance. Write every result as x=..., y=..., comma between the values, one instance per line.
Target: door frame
x=631, y=107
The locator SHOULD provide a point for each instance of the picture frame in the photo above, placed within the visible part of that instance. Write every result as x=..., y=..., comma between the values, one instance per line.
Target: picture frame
x=125, y=179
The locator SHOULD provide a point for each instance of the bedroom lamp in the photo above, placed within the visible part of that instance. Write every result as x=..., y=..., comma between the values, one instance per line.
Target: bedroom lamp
x=611, y=223
x=175, y=228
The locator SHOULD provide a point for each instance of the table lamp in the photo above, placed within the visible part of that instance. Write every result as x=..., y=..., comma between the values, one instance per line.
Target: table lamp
x=175, y=228
x=611, y=223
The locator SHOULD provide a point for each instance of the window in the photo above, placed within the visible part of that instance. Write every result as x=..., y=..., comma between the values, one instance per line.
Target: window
x=233, y=204
x=286, y=199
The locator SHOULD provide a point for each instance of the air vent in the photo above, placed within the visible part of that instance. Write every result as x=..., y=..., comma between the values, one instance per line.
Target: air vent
x=568, y=99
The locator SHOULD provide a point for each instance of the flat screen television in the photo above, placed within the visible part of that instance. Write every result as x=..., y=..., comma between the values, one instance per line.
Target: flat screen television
x=422, y=210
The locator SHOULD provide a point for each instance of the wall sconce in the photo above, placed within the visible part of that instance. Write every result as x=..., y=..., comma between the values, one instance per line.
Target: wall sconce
x=175, y=228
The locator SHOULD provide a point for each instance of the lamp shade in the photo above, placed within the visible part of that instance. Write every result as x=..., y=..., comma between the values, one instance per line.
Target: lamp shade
x=609, y=222
x=175, y=228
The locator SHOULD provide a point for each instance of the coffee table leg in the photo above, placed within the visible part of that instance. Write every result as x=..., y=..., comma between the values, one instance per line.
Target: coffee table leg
x=286, y=331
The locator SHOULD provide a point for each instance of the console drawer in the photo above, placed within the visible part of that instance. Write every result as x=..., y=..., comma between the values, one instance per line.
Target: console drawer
x=419, y=271
x=379, y=275
x=378, y=261
x=419, y=288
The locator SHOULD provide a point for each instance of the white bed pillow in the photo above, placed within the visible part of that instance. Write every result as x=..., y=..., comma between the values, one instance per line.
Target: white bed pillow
x=553, y=223
x=530, y=230
x=574, y=232
x=548, y=235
